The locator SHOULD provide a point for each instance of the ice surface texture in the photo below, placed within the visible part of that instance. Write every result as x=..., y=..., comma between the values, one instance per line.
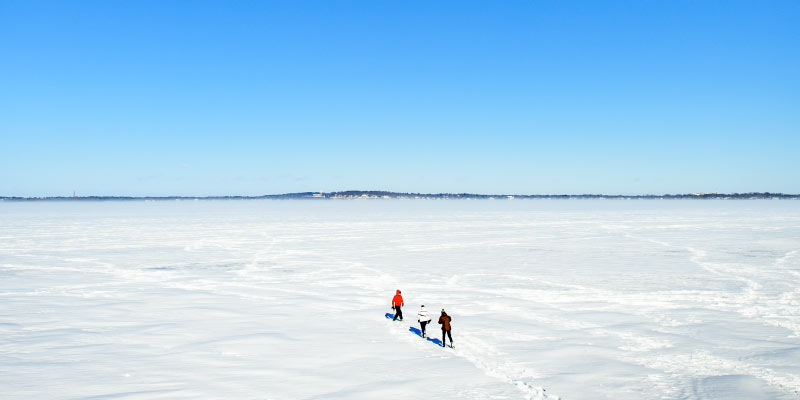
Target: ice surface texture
x=284, y=299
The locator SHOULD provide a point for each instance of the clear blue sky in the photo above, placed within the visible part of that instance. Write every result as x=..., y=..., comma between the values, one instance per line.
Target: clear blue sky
x=257, y=97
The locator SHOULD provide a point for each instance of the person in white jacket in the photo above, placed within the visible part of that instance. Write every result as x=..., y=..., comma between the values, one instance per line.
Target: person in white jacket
x=423, y=318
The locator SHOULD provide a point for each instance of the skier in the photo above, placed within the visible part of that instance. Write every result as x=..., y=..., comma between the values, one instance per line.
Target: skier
x=423, y=318
x=397, y=302
x=444, y=320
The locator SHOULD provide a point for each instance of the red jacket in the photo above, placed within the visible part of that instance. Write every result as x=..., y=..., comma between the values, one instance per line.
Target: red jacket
x=397, y=300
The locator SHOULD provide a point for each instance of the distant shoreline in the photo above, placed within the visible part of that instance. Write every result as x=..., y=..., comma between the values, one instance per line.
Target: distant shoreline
x=366, y=195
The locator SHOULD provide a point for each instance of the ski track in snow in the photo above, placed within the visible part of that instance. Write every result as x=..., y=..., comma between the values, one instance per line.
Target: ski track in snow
x=747, y=303
x=482, y=356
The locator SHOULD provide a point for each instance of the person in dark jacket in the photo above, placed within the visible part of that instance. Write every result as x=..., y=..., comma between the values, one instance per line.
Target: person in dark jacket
x=397, y=303
x=444, y=321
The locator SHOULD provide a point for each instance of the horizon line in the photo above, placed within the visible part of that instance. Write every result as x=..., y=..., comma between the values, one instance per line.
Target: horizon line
x=345, y=194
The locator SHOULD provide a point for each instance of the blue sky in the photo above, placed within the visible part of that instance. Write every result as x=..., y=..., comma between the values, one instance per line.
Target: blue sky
x=258, y=97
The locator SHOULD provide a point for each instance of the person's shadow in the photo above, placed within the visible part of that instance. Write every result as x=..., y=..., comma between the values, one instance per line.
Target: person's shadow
x=419, y=333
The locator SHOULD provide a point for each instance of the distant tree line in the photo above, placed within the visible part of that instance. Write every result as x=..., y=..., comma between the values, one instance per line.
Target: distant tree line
x=405, y=195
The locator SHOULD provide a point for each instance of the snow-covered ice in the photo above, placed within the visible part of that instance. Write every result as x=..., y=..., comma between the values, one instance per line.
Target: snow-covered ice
x=586, y=299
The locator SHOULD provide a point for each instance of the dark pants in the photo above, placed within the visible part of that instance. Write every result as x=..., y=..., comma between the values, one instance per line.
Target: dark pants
x=398, y=313
x=422, y=325
x=446, y=334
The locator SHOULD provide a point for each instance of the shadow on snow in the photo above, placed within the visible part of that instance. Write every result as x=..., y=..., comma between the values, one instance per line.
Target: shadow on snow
x=418, y=332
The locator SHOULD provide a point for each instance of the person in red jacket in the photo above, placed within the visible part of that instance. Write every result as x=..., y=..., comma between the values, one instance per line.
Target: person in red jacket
x=397, y=303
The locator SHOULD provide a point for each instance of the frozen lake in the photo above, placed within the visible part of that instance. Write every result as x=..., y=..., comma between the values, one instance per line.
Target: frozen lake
x=262, y=299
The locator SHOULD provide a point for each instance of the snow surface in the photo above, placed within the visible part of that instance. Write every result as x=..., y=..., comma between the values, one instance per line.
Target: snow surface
x=586, y=299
